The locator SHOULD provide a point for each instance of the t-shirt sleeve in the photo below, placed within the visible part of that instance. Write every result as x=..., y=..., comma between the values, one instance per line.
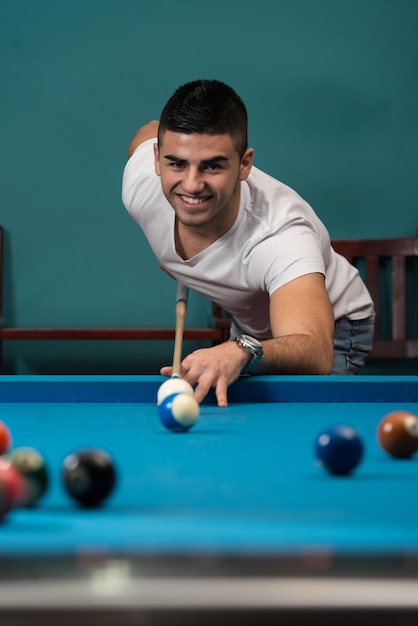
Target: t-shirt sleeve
x=139, y=171
x=281, y=257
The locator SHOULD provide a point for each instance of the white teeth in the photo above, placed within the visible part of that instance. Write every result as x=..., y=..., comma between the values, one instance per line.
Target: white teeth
x=193, y=200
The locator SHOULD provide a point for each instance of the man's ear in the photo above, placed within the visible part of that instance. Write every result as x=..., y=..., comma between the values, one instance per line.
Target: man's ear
x=157, y=160
x=246, y=163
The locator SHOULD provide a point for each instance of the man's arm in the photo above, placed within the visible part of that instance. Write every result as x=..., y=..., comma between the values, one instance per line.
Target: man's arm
x=148, y=131
x=302, y=323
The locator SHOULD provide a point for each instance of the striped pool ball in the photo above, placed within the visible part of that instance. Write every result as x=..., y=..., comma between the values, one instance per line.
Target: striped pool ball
x=179, y=412
x=31, y=464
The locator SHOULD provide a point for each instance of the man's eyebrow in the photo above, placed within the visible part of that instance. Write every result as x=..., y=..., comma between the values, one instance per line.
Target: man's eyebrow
x=171, y=157
x=215, y=159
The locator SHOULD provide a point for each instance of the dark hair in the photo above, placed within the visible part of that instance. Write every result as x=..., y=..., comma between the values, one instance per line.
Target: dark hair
x=206, y=107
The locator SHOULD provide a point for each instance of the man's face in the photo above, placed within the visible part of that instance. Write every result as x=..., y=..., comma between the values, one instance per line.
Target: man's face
x=200, y=177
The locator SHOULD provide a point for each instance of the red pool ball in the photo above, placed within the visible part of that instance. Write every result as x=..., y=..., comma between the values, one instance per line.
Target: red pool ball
x=397, y=434
x=12, y=487
x=89, y=476
x=5, y=438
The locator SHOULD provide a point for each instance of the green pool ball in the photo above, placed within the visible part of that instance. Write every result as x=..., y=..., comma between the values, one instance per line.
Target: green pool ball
x=31, y=464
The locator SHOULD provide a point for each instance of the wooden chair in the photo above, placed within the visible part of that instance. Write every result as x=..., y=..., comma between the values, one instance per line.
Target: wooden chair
x=390, y=270
x=217, y=332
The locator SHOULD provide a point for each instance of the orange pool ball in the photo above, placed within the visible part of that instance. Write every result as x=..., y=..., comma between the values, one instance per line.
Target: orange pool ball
x=397, y=433
x=5, y=438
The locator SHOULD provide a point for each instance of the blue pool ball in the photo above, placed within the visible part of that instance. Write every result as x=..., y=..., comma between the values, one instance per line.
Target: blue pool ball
x=178, y=412
x=339, y=449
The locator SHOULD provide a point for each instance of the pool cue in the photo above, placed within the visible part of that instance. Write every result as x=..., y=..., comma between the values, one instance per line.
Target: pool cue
x=181, y=309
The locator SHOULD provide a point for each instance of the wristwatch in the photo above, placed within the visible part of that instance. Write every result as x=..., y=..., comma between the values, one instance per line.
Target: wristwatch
x=254, y=347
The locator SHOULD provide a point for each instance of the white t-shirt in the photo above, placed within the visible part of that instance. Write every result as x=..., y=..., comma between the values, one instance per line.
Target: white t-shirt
x=276, y=238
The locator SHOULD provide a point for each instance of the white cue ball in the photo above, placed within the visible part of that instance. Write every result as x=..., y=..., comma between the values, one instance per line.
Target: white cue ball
x=173, y=385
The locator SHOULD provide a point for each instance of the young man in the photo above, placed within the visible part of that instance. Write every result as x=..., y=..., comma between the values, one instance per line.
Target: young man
x=246, y=241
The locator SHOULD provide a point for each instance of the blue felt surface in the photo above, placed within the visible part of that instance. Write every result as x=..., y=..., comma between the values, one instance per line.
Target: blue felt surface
x=243, y=480
x=247, y=389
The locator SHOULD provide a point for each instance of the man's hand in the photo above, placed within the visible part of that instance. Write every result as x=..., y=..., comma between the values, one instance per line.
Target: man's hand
x=216, y=367
x=303, y=324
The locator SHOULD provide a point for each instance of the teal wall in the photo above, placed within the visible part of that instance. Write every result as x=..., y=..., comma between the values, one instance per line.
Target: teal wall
x=332, y=92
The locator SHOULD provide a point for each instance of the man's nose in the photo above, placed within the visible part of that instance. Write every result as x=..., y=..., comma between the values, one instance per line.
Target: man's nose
x=193, y=181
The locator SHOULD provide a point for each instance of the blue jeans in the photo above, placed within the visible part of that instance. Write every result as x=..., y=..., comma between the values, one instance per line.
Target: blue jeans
x=353, y=340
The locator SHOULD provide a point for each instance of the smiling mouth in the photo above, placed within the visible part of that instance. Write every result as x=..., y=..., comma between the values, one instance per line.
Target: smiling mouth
x=194, y=201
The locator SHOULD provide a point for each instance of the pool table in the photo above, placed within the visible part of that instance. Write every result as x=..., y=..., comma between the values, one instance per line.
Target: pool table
x=232, y=522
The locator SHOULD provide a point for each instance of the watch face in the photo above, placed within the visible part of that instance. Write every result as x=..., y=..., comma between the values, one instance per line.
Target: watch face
x=251, y=341
x=250, y=344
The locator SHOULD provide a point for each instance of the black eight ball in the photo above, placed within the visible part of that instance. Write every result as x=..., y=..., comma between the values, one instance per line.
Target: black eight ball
x=89, y=476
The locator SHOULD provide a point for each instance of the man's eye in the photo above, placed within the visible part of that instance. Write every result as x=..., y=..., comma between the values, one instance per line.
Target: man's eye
x=213, y=166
